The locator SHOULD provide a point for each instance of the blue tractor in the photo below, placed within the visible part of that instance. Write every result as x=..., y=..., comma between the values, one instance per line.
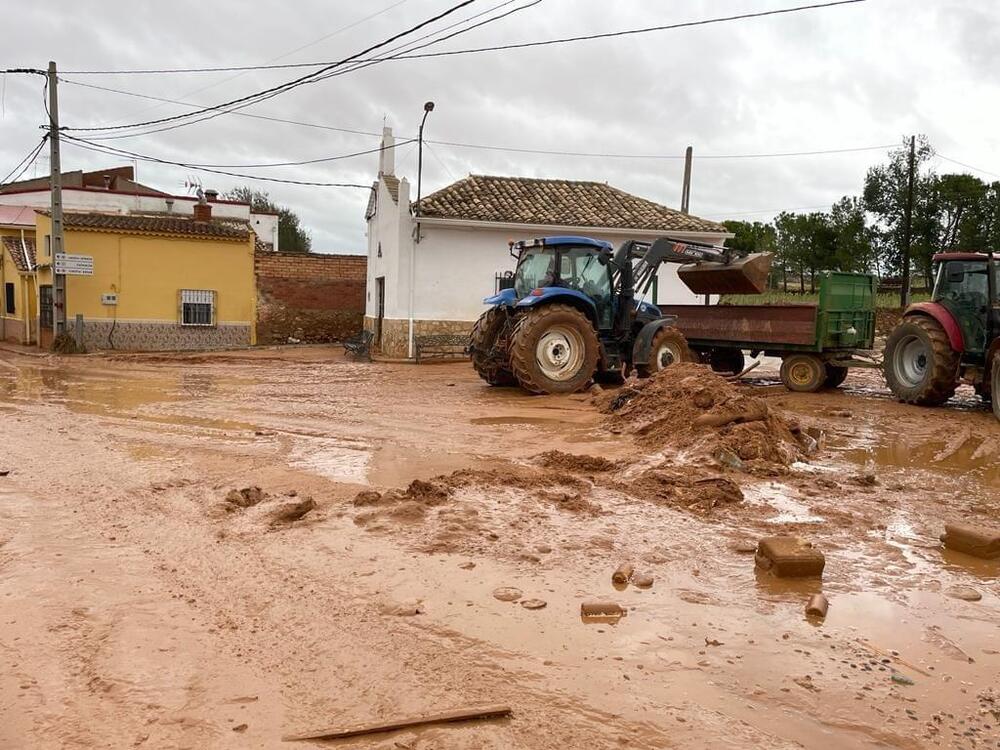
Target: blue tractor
x=574, y=310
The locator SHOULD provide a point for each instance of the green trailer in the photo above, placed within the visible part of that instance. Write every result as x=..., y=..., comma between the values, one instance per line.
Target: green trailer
x=817, y=343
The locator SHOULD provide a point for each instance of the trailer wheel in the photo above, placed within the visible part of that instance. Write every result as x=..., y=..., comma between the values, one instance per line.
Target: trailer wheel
x=995, y=386
x=554, y=349
x=727, y=360
x=835, y=376
x=667, y=347
x=803, y=373
x=920, y=365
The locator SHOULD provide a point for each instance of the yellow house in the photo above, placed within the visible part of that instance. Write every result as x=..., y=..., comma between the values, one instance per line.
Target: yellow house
x=17, y=275
x=152, y=282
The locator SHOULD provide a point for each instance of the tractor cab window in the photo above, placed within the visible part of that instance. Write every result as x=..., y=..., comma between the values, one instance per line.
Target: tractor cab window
x=582, y=269
x=963, y=287
x=535, y=269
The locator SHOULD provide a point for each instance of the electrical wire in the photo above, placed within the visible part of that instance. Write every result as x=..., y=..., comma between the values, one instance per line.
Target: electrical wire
x=522, y=45
x=284, y=87
x=24, y=164
x=485, y=147
x=967, y=166
x=408, y=46
x=112, y=151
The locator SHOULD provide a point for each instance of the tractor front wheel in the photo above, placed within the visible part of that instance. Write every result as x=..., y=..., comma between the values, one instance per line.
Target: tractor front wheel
x=803, y=373
x=489, y=363
x=554, y=350
x=920, y=365
x=667, y=347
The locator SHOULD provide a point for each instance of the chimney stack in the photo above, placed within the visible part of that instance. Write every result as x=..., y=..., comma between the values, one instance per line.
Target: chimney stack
x=202, y=209
x=212, y=195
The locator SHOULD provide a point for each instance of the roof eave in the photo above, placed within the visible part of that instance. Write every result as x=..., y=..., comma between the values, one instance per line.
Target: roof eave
x=567, y=228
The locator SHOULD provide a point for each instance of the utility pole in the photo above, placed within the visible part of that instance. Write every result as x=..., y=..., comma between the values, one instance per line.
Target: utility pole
x=904, y=292
x=55, y=187
x=428, y=108
x=686, y=190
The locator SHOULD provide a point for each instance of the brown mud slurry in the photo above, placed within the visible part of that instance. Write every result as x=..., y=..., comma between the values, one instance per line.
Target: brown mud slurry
x=141, y=608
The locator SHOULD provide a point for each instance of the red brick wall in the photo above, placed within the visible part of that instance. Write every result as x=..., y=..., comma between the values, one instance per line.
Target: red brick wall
x=309, y=298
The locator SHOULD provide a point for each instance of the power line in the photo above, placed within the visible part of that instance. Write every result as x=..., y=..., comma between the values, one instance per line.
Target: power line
x=967, y=166
x=284, y=87
x=357, y=65
x=522, y=45
x=24, y=164
x=110, y=150
x=485, y=147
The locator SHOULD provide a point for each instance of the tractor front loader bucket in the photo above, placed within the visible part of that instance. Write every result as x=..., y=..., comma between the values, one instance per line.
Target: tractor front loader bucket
x=746, y=275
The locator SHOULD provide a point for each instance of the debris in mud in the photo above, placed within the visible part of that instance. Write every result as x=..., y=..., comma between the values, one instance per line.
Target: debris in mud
x=623, y=573
x=240, y=728
x=817, y=606
x=293, y=511
x=901, y=679
x=689, y=488
x=246, y=497
x=596, y=610
x=576, y=463
x=866, y=478
x=789, y=557
x=467, y=565
x=642, y=580
x=688, y=407
x=571, y=502
x=507, y=594
x=4, y=472
x=976, y=541
x=744, y=546
x=964, y=593
x=534, y=603
x=410, y=608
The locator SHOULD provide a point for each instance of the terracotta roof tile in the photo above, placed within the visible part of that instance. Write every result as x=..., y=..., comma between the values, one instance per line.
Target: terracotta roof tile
x=23, y=255
x=222, y=228
x=522, y=200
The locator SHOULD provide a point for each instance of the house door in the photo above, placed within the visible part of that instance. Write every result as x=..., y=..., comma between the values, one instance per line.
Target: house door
x=380, y=296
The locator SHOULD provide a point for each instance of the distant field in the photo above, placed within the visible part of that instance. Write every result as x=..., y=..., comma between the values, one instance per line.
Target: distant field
x=886, y=300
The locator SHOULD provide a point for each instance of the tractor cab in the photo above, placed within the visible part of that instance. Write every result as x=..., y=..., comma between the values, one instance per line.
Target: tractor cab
x=966, y=284
x=559, y=265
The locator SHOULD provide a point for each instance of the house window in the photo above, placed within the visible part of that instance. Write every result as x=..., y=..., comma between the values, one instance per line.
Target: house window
x=197, y=307
x=48, y=246
x=8, y=295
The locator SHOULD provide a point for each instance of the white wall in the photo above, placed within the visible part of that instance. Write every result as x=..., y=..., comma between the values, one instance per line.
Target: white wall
x=456, y=269
x=391, y=227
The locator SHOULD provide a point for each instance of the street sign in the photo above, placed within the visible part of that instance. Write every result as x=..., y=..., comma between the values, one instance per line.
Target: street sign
x=74, y=265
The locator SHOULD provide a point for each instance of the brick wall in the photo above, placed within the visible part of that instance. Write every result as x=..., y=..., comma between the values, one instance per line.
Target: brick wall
x=309, y=298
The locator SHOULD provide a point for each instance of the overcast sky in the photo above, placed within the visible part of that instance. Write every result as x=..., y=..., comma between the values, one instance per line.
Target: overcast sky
x=840, y=78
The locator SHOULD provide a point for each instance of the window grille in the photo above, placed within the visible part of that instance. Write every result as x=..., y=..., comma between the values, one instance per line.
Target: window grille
x=197, y=307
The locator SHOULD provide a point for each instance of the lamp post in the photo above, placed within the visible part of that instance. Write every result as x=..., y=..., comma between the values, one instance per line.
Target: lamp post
x=428, y=108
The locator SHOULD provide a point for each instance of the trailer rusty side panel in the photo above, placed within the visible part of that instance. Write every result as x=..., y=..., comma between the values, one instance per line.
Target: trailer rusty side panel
x=770, y=325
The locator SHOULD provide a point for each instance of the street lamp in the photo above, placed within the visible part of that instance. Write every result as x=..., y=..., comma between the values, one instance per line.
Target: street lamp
x=428, y=108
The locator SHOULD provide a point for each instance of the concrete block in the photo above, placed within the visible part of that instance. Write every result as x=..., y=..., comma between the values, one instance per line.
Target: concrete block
x=789, y=557
x=972, y=540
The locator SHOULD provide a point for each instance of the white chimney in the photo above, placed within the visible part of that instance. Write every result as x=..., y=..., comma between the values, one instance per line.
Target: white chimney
x=387, y=154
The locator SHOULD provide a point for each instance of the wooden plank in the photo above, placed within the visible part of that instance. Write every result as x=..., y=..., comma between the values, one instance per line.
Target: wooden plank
x=462, y=714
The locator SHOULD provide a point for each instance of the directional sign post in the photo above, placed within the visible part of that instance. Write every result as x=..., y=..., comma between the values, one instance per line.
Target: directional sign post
x=74, y=265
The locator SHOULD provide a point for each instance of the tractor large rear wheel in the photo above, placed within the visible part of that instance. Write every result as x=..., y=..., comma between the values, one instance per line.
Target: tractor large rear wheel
x=490, y=364
x=920, y=365
x=554, y=350
x=667, y=347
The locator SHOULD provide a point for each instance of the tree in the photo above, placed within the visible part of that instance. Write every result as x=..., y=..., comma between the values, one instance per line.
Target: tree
x=854, y=248
x=292, y=237
x=807, y=243
x=885, y=197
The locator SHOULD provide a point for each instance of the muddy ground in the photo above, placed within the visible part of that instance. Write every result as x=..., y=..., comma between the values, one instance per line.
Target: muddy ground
x=141, y=608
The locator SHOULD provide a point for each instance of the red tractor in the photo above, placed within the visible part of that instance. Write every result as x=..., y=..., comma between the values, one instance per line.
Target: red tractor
x=953, y=339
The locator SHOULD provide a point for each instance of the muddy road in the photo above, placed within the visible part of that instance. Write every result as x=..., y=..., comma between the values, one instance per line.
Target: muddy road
x=141, y=608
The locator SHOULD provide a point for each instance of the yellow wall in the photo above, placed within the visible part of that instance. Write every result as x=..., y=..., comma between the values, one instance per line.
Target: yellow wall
x=24, y=292
x=148, y=272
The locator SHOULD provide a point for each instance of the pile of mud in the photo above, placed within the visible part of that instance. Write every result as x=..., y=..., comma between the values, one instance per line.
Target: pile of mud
x=690, y=409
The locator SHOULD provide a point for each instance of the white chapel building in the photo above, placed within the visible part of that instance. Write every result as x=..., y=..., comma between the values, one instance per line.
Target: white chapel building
x=436, y=283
